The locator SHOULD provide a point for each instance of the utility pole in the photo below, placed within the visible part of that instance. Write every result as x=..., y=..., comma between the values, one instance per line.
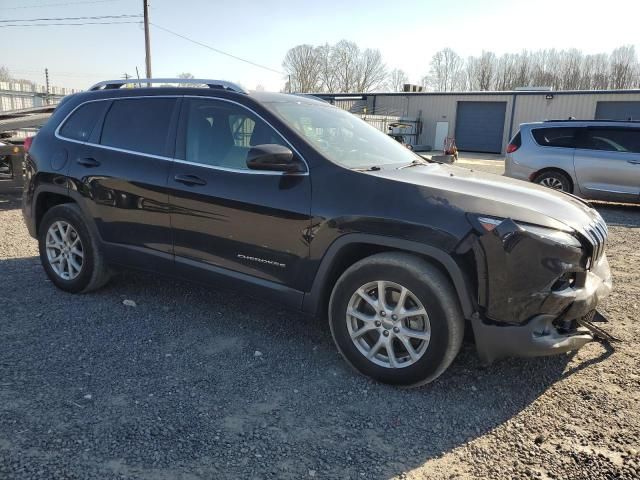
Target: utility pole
x=46, y=80
x=147, y=44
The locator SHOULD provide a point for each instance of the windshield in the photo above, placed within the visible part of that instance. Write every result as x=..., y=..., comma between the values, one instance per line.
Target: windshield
x=341, y=136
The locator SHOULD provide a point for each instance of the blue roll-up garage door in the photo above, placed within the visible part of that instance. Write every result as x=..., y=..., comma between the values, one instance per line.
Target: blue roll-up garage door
x=618, y=111
x=480, y=126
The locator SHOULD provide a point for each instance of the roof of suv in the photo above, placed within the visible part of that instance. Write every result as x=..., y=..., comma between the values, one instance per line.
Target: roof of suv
x=193, y=85
x=581, y=123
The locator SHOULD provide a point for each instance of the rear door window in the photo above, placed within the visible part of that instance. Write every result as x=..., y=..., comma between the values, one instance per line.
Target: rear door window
x=563, y=137
x=139, y=125
x=613, y=139
x=83, y=120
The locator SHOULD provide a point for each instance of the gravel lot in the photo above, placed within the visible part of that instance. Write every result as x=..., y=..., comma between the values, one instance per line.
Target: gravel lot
x=195, y=383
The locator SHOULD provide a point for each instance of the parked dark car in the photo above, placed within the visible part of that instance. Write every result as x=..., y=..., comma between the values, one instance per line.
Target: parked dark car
x=300, y=202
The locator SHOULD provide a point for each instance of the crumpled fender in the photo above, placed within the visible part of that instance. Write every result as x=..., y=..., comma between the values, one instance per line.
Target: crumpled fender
x=517, y=271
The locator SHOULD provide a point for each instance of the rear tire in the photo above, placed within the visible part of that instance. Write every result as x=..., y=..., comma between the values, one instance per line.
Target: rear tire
x=554, y=180
x=69, y=252
x=397, y=347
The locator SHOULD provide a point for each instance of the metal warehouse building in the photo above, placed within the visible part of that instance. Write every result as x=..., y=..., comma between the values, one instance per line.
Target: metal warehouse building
x=485, y=121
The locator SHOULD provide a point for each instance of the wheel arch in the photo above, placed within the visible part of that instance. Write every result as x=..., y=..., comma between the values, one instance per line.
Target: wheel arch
x=48, y=196
x=535, y=175
x=45, y=199
x=350, y=248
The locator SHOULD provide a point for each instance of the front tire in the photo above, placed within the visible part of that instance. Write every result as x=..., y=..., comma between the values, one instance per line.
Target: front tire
x=69, y=252
x=409, y=337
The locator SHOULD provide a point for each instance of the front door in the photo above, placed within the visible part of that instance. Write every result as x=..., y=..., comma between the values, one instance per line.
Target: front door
x=607, y=163
x=228, y=221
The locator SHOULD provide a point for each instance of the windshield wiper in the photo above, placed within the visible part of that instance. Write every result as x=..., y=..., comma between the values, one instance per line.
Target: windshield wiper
x=414, y=163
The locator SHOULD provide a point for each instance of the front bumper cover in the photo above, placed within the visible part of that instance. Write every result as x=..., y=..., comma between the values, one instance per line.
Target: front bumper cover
x=541, y=335
x=532, y=291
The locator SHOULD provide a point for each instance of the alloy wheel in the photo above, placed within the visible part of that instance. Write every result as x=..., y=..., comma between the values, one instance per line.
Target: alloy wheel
x=388, y=324
x=552, y=182
x=64, y=250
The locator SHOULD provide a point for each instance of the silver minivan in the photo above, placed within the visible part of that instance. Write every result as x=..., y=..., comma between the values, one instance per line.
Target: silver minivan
x=594, y=159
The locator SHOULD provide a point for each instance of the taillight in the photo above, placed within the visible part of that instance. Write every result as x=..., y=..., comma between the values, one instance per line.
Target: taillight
x=27, y=143
x=512, y=147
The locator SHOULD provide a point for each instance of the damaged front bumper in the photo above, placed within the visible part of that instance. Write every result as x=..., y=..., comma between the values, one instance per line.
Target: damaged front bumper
x=534, y=295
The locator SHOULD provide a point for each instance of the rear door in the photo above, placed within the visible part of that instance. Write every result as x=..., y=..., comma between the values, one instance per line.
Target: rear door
x=607, y=163
x=228, y=221
x=122, y=174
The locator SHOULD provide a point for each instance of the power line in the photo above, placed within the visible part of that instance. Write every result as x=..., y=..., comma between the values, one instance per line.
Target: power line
x=63, y=24
x=42, y=5
x=68, y=18
x=217, y=50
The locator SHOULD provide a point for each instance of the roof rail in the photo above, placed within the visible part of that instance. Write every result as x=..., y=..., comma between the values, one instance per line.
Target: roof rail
x=593, y=120
x=221, y=84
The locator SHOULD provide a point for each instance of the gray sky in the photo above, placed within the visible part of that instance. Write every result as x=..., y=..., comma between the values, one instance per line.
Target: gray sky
x=408, y=33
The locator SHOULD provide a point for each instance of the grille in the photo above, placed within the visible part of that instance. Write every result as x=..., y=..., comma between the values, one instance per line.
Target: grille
x=597, y=233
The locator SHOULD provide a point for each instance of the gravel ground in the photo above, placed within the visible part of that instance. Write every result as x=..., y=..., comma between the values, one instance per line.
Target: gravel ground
x=194, y=383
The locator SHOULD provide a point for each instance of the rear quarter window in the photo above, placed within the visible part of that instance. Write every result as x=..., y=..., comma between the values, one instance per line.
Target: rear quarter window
x=555, y=137
x=82, y=121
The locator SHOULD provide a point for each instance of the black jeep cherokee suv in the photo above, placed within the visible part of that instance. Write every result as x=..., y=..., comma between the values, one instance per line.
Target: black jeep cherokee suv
x=295, y=200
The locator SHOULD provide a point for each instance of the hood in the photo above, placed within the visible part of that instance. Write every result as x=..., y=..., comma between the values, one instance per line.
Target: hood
x=498, y=196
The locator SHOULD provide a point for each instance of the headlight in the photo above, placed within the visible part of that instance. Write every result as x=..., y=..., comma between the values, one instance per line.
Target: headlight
x=557, y=236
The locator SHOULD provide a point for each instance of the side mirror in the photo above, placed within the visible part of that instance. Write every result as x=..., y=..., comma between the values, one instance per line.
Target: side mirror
x=272, y=157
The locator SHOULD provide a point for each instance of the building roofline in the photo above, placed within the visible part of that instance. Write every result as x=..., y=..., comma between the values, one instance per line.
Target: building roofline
x=486, y=92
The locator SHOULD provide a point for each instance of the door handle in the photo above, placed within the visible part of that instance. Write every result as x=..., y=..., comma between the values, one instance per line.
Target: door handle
x=635, y=162
x=88, y=162
x=190, y=180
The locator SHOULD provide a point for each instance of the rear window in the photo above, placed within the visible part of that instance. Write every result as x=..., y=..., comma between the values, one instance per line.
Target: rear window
x=139, y=125
x=82, y=122
x=613, y=139
x=516, y=140
x=555, y=137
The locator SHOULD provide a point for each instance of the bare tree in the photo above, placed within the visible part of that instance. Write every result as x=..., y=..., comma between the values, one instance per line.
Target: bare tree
x=486, y=70
x=302, y=64
x=342, y=67
x=470, y=74
x=507, y=72
x=372, y=73
x=328, y=78
x=446, y=72
x=544, y=72
x=623, y=67
x=523, y=70
x=345, y=58
x=569, y=69
x=397, y=79
x=601, y=71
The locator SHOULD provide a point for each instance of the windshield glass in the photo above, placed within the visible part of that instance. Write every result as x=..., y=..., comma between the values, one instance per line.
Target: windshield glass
x=341, y=136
